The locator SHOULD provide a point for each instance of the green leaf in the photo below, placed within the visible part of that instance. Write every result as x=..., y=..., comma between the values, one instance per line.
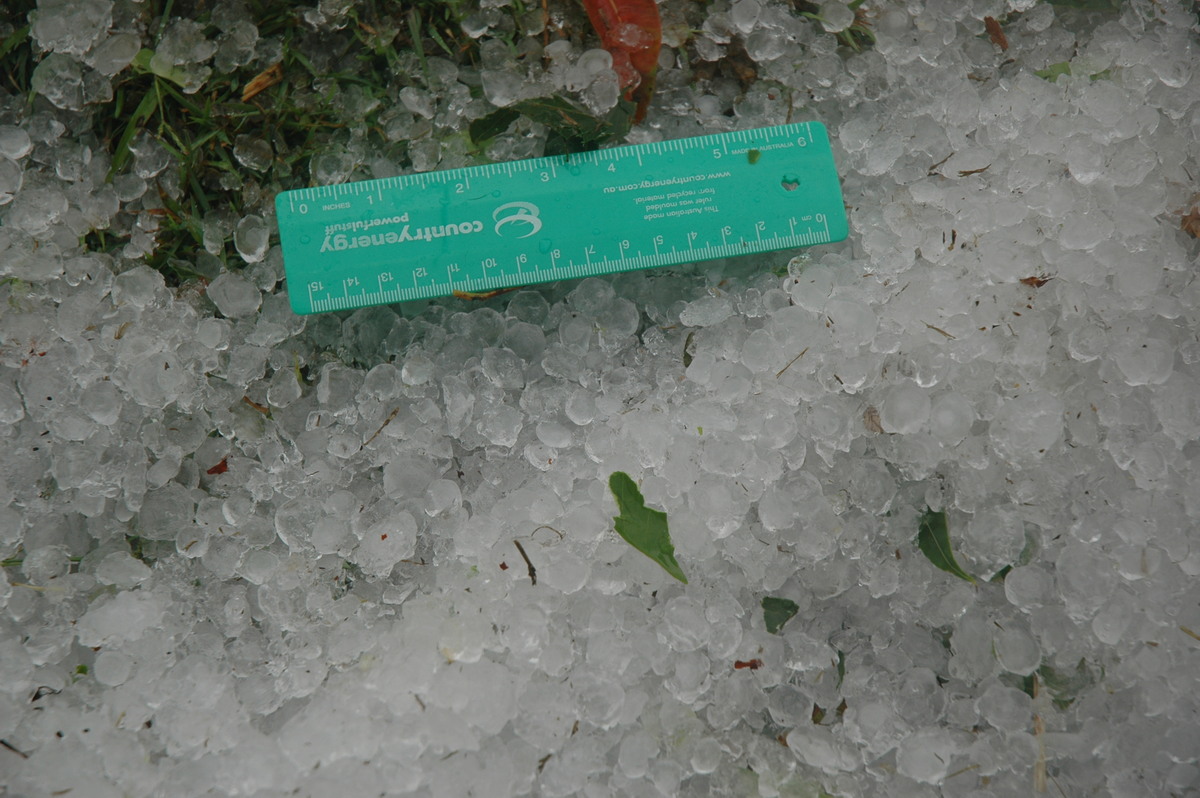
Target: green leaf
x=14, y=40
x=569, y=127
x=777, y=612
x=574, y=129
x=933, y=538
x=1063, y=686
x=1052, y=72
x=641, y=527
x=488, y=127
x=144, y=62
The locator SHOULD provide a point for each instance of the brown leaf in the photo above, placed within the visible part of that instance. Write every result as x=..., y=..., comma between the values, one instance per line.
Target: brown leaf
x=1035, y=282
x=1190, y=223
x=219, y=468
x=263, y=81
x=995, y=33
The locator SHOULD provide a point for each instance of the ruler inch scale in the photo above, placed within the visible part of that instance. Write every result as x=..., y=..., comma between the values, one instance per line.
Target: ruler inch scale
x=509, y=224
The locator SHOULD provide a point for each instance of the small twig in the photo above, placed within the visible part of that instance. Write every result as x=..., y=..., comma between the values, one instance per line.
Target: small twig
x=1189, y=633
x=10, y=747
x=1039, y=731
x=938, y=330
x=42, y=692
x=39, y=588
x=561, y=536
x=386, y=421
x=266, y=411
x=525, y=557
x=479, y=296
x=779, y=373
x=967, y=769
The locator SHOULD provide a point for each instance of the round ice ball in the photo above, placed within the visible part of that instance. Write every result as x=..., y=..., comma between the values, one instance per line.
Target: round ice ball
x=112, y=668
x=1017, y=651
x=905, y=409
x=1024, y=428
x=1146, y=362
x=950, y=418
x=251, y=238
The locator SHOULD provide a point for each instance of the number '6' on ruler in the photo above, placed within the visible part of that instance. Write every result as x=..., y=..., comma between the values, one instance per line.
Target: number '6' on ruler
x=504, y=225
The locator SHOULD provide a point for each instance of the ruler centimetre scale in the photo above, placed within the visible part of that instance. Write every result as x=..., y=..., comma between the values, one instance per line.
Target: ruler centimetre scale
x=504, y=225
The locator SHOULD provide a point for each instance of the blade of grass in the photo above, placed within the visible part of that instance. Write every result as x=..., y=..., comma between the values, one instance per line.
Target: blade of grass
x=198, y=192
x=163, y=20
x=140, y=115
x=437, y=37
x=414, y=30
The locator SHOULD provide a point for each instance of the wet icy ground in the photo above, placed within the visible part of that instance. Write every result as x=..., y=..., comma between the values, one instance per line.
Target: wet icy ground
x=249, y=553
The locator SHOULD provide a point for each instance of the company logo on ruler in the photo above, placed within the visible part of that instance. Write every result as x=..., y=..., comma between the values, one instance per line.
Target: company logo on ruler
x=509, y=224
x=511, y=212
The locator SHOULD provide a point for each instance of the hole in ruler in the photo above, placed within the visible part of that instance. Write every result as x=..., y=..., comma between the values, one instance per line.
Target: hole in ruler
x=790, y=182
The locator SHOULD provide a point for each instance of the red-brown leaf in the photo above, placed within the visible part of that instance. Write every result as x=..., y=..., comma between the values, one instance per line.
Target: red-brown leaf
x=219, y=468
x=263, y=81
x=1190, y=223
x=631, y=31
x=996, y=33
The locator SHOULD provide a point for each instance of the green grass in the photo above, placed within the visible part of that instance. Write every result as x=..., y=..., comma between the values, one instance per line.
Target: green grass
x=16, y=49
x=297, y=117
x=382, y=47
x=858, y=36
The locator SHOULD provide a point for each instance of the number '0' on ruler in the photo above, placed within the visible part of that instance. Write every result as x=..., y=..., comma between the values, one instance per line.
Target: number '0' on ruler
x=504, y=225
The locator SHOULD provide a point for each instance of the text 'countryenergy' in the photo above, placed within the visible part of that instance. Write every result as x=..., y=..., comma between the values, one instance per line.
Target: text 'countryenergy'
x=355, y=235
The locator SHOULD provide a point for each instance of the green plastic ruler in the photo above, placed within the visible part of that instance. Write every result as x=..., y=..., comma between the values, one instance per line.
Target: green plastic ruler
x=503, y=225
